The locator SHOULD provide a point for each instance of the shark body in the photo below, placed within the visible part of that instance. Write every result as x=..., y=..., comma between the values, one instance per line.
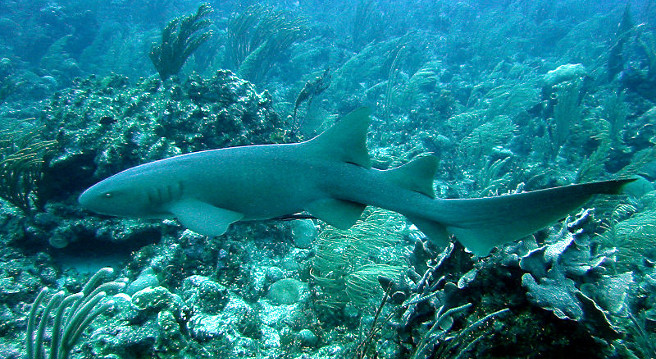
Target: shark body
x=331, y=177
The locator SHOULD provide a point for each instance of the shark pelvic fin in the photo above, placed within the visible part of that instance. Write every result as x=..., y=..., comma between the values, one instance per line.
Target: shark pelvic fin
x=202, y=217
x=416, y=175
x=338, y=213
x=346, y=141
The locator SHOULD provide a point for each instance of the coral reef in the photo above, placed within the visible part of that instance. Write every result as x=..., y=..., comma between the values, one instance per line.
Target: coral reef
x=257, y=37
x=71, y=316
x=510, y=95
x=348, y=263
x=23, y=157
x=180, y=38
x=153, y=120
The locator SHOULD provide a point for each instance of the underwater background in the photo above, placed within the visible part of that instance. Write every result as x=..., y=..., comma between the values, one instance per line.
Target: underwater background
x=511, y=95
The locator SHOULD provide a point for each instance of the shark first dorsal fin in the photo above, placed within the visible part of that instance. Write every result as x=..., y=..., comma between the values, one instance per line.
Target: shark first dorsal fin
x=346, y=141
x=416, y=175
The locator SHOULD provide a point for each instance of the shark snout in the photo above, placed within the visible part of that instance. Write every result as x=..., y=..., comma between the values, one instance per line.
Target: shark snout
x=87, y=200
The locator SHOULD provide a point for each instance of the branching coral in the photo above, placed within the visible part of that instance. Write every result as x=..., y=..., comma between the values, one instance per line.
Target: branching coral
x=348, y=263
x=257, y=37
x=435, y=309
x=485, y=137
x=72, y=315
x=180, y=38
x=456, y=345
x=632, y=230
x=22, y=158
x=367, y=22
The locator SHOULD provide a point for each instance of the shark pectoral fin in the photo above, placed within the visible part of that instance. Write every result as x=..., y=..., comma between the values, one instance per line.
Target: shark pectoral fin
x=204, y=218
x=338, y=213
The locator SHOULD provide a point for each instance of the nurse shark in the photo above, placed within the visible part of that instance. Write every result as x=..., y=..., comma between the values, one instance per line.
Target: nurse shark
x=331, y=177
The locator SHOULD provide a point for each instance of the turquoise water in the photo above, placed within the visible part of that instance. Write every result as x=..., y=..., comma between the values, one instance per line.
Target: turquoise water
x=510, y=96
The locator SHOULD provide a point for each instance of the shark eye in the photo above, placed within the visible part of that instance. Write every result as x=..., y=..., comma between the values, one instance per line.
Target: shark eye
x=107, y=194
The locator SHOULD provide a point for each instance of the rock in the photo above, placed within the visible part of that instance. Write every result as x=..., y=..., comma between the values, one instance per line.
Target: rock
x=202, y=293
x=236, y=319
x=564, y=73
x=274, y=274
x=146, y=279
x=307, y=338
x=156, y=299
x=638, y=188
x=304, y=232
x=285, y=291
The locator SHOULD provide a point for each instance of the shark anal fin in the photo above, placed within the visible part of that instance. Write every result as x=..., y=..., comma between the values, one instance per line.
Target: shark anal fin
x=202, y=217
x=346, y=141
x=338, y=213
x=416, y=175
x=435, y=231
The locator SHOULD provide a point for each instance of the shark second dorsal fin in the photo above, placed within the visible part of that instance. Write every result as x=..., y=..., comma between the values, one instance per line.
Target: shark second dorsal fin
x=346, y=141
x=416, y=175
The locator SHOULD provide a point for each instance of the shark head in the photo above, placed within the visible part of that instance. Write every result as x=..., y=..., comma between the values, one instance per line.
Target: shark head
x=154, y=191
x=111, y=197
x=131, y=193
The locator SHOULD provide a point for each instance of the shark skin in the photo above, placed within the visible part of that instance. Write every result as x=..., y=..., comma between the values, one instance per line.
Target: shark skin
x=329, y=176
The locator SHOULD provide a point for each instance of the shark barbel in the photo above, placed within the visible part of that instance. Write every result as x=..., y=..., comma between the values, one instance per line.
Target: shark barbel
x=329, y=176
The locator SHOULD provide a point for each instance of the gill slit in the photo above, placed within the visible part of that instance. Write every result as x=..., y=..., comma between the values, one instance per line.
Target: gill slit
x=167, y=194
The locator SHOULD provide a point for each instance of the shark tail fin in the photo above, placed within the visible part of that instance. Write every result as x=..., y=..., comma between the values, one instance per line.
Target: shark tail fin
x=480, y=224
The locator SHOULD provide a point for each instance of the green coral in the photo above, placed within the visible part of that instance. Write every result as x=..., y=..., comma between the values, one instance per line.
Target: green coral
x=647, y=43
x=486, y=136
x=362, y=285
x=375, y=62
x=632, y=230
x=258, y=36
x=348, y=262
x=71, y=315
x=366, y=26
x=567, y=113
x=180, y=38
x=421, y=81
x=23, y=156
